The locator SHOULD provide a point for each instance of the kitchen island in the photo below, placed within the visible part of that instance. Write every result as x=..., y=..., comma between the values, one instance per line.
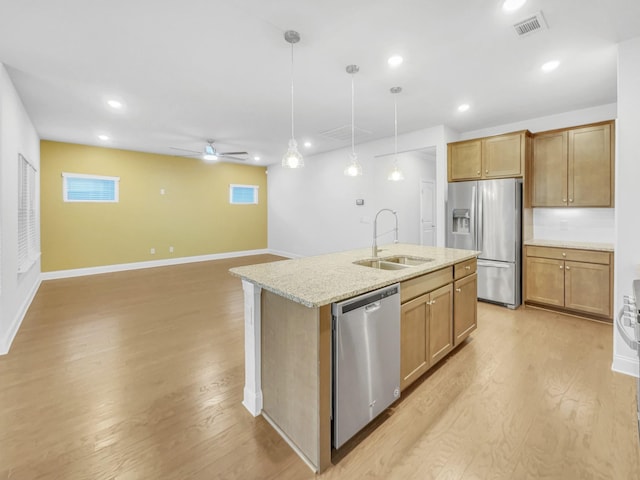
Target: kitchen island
x=287, y=312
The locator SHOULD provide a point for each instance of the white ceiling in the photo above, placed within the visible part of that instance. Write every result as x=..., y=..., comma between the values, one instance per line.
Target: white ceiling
x=194, y=69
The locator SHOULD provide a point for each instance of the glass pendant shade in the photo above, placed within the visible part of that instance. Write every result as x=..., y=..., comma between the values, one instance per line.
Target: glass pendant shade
x=293, y=158
x=354, y=169
x=396, y=174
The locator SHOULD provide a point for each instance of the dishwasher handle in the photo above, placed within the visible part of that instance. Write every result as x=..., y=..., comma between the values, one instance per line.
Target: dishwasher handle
x=372, y=307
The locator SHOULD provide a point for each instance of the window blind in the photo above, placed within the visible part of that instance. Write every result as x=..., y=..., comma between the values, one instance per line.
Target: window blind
x=90, y=188
x=243, y=194
x=28, y=243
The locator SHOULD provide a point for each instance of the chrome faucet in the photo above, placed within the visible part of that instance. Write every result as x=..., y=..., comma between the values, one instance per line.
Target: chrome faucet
x=374, y=248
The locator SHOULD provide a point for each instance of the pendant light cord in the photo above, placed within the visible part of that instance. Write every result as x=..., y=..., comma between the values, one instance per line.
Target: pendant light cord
x=395, y=124
x=292, y=135
x=353, y=130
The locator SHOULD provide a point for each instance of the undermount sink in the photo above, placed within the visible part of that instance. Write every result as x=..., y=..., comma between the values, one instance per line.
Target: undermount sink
x=382, y=264
x=397, y=262
x=408, y=260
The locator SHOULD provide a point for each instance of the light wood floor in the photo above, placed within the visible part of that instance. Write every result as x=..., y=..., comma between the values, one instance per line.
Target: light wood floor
x=139, y=375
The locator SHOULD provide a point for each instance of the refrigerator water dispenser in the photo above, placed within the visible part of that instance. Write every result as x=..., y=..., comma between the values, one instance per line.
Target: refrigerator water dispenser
x=461, y=218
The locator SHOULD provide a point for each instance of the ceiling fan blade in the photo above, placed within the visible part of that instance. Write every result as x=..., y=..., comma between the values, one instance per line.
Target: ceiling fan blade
x=185, y=150
x=233, y=153
x=224, y=155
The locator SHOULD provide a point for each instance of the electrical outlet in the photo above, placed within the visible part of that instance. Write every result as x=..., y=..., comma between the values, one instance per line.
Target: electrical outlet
x=171, y=249
x=162, y=191
x=152, y=251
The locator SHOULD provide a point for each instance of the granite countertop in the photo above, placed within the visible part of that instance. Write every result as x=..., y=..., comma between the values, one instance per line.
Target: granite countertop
x=602, y=247
x=323, y=279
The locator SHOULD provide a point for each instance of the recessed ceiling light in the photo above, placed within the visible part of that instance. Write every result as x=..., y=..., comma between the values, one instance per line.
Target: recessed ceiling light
x=103, y=137
x=394, y=61
x=256, y=158
x=307, y=144
x=550, y=66
x=115, y=104
x=463, y=108
x=512, y=5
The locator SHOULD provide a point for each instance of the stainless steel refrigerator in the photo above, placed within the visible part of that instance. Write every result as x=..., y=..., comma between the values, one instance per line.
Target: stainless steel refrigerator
x=486, y=215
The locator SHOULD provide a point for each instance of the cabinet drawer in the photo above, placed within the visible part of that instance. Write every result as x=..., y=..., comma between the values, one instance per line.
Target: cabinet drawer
x=415, y=287
x=589, y=256
x=465, y=268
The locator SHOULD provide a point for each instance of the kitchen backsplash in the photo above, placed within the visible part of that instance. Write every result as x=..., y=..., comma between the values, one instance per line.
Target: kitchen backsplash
x=574, y=224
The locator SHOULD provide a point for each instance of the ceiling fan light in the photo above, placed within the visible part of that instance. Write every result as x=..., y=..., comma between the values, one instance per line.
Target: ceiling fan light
x=209, y=153
x=293, y=158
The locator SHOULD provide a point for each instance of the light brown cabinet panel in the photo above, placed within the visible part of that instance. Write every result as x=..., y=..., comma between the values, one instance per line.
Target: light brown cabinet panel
x=502, y=155
x=441, y=324
x=414, y=348
x=550, y=169
x=586, y=288
x=465, y=268
x=465, y=160
x=574, y=167
x=590, y=167
x=465, y=307
x=577, y=281
x=544, y=281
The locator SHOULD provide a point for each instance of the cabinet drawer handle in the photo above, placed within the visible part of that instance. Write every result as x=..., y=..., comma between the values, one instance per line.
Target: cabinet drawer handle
x=486, y=171
x=564, y=200
x=458, y=290
x=571, y=200
x=478, y=172
x=568, y=268
x=467, y=267
x=561, y=267
x=564, y=254
x=432, y=302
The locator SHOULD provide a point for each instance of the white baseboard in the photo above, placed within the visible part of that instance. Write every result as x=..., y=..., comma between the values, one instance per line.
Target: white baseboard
x=80, y=272
x=626, y=365
x=5, y=343
x=284, y=254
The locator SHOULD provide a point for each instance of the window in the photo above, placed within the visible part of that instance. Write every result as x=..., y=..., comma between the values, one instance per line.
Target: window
x=28, y=244
x=243, y=194
x=77, y=187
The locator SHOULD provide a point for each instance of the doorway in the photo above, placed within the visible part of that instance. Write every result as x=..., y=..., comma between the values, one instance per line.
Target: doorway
x=428, y=213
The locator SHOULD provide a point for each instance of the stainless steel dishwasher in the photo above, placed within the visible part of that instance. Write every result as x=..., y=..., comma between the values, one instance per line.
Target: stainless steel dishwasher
x=366, y=359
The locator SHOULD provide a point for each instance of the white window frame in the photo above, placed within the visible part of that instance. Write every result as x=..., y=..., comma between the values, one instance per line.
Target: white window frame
x=65, y=192
x=255, y=194
x=28, y=241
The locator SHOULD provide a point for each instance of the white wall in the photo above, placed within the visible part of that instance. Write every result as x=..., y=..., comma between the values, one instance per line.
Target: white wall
x=627, y=256
x=313, y=210
x=584, y=224
x=17, y=135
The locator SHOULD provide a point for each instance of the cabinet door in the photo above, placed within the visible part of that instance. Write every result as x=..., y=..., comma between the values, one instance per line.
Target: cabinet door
x=550, y=170
x=465, y=160
x=587, y=288
x=414, y=350
x=465, y=307
x=544, y=282
x=590, y=167
x=441, y=323
x=502, y=156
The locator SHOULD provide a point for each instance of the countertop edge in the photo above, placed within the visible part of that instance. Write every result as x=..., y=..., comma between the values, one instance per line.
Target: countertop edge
x=574, y=245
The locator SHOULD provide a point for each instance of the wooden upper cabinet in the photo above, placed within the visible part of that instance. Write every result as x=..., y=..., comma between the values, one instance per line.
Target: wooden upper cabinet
x=590, y=167
x=550, y=169
x=501, y=156
x=465, y=160
x=574, y=167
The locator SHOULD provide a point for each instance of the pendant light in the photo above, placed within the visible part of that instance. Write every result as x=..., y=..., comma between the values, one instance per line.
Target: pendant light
x=354, y=169
x=396, y=174
x=293, y=158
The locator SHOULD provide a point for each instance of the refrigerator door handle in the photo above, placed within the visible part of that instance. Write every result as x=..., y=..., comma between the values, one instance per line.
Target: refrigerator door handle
x=474, y=215
x=484, y=263
x=480, y=222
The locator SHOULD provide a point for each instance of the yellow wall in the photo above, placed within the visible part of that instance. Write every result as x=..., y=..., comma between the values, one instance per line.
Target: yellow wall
x=194, y=216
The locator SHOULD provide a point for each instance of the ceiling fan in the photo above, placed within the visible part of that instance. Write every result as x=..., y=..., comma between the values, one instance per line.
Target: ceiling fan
x=210, y=153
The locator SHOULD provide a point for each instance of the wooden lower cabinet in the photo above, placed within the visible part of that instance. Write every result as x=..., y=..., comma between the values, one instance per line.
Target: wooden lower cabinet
x=428, y=329
x=578, y=281
x=465, y=308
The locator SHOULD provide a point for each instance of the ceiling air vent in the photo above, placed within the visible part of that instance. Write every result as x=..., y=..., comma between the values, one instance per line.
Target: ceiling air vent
x=343, y=133
x=530, y=25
